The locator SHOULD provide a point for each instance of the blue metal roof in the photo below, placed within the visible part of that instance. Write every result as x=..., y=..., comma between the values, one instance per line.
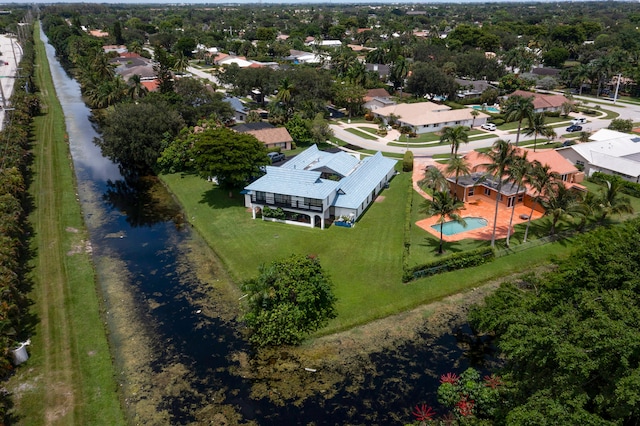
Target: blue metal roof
x=355, y=188
x=312, y=158
x=302, y=183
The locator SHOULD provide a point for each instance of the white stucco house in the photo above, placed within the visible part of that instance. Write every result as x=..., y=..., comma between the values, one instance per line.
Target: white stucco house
x=427, y=117
x=611, y=152
x=317, y=185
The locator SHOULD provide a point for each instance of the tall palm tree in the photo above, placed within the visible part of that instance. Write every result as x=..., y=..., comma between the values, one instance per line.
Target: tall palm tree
x=583, y=72
x=539, y=179
x=517, y=108
x=457, y=166
x=433, y=179
x=474, y=114
x=136, y=89
x=559, y=203
x=454, y=136
x=518, y=172
x=285, y=92
x=181, y=62
x=610, y=200
x=446, y=207
x=537, y=126
x=501, y=157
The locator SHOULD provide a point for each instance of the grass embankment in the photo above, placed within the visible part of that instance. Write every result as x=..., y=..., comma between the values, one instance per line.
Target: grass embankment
x=365, y=262
x=69, y=378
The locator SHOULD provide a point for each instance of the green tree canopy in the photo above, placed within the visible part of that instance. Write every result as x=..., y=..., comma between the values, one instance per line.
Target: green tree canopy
x=132, y=133
x=289, y=299
x=570, y=338
x=231, y=157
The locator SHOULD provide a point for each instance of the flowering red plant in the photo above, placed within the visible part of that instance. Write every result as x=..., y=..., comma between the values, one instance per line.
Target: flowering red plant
x=465, y=407
x=449, y=378
x=423, y=413
x=493, y=381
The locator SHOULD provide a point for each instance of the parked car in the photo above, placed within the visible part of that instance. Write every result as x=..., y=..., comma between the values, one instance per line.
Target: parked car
x=580, y=120
x=489, y=126
x=276, y=157
x=574, y=128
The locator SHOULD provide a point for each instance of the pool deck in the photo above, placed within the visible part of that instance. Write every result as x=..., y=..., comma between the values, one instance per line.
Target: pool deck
x=480, y=206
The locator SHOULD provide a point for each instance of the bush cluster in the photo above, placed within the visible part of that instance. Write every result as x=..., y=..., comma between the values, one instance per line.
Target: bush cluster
x=461, y=260
x=407, y=162
x=629, y=188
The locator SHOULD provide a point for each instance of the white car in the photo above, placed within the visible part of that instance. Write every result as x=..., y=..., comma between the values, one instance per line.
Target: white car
x=577, y=121
x=489, y=126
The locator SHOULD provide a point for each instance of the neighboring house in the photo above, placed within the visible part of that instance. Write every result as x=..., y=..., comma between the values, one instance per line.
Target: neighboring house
x=428, y=117
x=128, y=64
x=472, y=88
x=377, y=98
x=324, y=43
x=240, y=111
x=118, y=48
x=99, y=33
x=151, y=85
x=319, y=185
x=302, y=57
x=541, y=102
x=612, y=152
x=274, y=138
x=381, y=69
x=478, y=183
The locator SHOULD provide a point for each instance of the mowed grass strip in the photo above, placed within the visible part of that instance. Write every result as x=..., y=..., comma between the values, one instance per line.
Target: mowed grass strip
x=365, y=262
x=69, y=379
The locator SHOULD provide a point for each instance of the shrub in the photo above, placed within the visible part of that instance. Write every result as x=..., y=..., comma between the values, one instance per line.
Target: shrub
x=461, y=260
x=407, y=162
x=621, y=125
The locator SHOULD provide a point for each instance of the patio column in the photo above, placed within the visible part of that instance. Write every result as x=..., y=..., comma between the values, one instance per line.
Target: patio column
x=322, y=222
x=253, y=212
x=313, y=220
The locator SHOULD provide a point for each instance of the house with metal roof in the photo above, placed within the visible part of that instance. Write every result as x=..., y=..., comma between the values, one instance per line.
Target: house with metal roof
x=611, y=152
x=428, y=117
x=315, y=186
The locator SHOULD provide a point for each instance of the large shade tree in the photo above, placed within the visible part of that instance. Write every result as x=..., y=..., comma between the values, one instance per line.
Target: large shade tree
x=569, y=338
x=230, y=157
x=289, y=299
x=132, y=133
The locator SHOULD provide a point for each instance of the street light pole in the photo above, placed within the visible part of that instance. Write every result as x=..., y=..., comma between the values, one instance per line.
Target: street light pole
x=615, y=96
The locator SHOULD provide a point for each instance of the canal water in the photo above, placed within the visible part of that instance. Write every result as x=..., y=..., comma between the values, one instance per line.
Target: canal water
x=177, y=346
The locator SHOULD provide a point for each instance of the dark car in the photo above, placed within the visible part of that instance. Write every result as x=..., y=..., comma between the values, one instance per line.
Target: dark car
x=276, y=157
x=574, y=128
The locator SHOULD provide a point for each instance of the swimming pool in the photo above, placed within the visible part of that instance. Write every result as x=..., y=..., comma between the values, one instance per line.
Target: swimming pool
x=452, y=227
x=487, y=109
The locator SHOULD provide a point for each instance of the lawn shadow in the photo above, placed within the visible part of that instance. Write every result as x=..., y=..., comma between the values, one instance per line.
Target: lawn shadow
x=218, y=198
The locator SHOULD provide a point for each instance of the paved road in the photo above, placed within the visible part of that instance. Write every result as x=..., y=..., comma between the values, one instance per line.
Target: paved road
x=11, y=56
x=625, y=111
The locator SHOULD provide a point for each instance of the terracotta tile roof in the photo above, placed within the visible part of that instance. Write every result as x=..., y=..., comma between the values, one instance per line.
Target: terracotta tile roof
x=271, y=136
x=542, y=101
x=99, y=33
x=376, y=93
x=151, y=85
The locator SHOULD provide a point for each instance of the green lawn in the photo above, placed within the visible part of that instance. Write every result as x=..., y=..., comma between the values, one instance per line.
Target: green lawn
x=365, y=262
x=361, y=134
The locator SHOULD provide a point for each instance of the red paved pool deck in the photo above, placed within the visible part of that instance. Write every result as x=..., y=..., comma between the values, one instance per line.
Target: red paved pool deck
x=480, y=206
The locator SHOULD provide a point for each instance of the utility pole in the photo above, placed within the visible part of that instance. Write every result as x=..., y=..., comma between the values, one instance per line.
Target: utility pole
x=615, y=96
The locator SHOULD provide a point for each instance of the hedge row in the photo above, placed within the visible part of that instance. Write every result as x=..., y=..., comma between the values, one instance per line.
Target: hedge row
x=462, y=260
x=14, y=203
x=629, y=188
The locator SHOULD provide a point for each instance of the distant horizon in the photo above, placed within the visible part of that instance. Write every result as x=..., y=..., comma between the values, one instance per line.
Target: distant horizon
x=292, y=2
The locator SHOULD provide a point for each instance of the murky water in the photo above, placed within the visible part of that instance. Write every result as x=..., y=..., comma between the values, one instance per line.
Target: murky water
x=180, y=356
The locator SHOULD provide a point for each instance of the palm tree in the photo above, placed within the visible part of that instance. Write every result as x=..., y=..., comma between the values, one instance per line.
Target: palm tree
x=433, y=179
x=136, y=89
x=537, y=126
x=560, y=202
x=181, y=62
x=446, y=207
x=474, y=114
x=457, y=166
x=285, y=92
x=584, y=136
x=454, y=136
x=539, y=179
x=517, y=108
x=611, y=201
x=583, y=72
x=501, y=157
x=518, y=172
